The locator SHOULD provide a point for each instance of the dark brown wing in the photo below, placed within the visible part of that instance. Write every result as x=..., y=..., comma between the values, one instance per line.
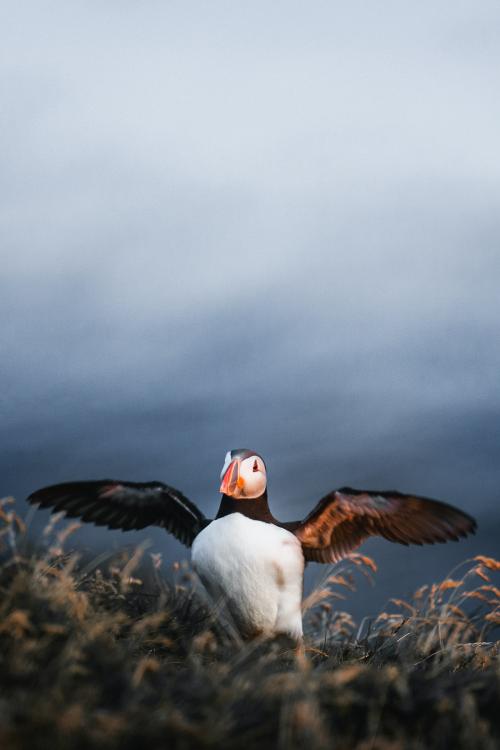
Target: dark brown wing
x=125, y=505
x=342, y=520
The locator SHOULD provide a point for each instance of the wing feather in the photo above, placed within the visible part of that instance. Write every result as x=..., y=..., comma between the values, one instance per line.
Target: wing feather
x=125, y=505
x=343, y=519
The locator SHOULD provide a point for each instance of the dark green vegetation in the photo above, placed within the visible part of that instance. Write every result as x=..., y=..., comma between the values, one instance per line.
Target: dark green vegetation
x=94, y=657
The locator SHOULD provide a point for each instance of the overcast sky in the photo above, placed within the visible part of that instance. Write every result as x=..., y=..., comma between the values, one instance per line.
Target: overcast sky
x=272, y=225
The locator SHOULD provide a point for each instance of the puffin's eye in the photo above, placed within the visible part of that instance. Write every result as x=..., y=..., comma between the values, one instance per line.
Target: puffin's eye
x=255, y=465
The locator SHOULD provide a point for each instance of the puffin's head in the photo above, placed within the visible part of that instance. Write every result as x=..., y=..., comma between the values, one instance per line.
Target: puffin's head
x=243, y=474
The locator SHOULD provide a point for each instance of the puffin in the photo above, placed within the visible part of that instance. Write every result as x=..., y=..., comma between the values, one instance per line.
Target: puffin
x=245, y=556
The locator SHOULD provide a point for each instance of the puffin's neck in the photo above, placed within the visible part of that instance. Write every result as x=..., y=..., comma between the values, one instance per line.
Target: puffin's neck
x=257, y=508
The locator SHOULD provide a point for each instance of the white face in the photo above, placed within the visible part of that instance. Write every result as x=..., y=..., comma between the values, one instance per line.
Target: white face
x=244, y=479
x=253, y=473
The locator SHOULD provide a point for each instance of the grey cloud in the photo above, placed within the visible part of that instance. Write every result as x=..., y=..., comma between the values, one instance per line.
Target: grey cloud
x=261, y=226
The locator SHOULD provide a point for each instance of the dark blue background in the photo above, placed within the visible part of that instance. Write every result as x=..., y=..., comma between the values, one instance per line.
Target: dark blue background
x=272, y=226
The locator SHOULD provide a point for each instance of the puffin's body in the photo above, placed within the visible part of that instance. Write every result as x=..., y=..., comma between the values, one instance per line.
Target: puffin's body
x=256, y=569
x=246, y=558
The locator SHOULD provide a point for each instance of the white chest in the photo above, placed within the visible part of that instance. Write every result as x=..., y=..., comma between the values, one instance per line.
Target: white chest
x=257, y=569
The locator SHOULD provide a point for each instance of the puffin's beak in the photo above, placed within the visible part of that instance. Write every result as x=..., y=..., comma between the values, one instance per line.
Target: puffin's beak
x=232, y=478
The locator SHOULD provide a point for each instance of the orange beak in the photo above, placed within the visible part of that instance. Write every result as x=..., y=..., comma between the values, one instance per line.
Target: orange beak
x=232, y=479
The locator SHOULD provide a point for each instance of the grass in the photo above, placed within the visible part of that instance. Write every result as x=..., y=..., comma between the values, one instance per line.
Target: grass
x=118, y=655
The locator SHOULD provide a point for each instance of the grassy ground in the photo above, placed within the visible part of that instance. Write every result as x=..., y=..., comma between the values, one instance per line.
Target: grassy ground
x=120, y=656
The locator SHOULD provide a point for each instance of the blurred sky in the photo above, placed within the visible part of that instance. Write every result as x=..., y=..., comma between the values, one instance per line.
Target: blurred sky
x=272, y=225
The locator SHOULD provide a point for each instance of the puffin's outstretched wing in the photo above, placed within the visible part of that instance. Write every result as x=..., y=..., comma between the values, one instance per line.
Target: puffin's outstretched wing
x=125, y=505
x=343, y=519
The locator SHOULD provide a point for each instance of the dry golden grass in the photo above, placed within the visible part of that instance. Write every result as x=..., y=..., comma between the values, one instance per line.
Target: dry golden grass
x=118, y=656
